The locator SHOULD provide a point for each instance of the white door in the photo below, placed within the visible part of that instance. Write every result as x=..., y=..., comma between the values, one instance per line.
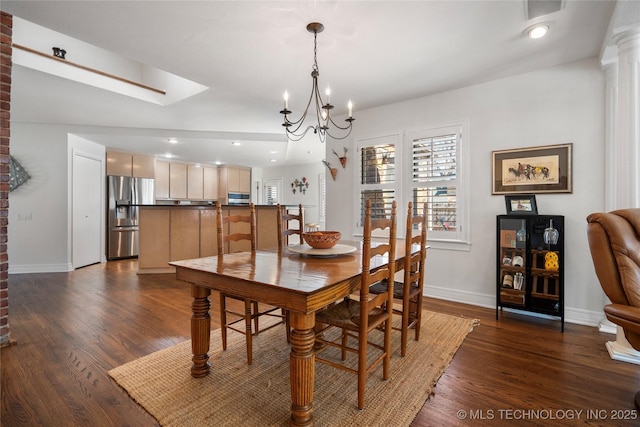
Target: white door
x=86, y=211
x=272, y=191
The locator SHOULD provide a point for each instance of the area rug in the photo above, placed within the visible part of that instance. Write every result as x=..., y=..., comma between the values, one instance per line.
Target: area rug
x=236, y=394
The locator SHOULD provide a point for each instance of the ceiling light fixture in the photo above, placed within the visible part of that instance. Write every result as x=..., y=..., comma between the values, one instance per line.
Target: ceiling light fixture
x=296, y=129
x=537, y=31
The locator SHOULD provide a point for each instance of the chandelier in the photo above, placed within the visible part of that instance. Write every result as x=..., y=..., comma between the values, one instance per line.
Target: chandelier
x=296, y=130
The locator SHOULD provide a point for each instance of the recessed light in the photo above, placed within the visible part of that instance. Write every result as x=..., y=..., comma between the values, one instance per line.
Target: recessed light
x=272, y=160
x=235, y=143
x=218, y=163
x=309, y=152
x=537, y=31
x=168, y=155
x=273, y=152
x=172, y=141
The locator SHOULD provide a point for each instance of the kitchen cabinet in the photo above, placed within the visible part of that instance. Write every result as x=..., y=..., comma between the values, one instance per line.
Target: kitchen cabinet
x=162, y=180
x=233, y=179
x=155, y=227
x=210, y=183
x=127, y=164
x=195, y=182
x=170, y=233
x=177, y=180
x=530, y=264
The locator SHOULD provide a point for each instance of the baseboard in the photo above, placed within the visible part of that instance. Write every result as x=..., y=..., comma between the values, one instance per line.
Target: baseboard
x=571, y=315
x=39, y=268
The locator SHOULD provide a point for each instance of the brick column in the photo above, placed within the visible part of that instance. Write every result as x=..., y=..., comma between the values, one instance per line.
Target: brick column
x=6, y=29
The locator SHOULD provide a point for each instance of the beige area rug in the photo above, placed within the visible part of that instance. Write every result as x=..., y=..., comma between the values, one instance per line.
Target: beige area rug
x=236, y=394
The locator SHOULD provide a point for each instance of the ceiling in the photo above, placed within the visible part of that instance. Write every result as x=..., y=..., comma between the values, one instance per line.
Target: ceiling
x=248, y=52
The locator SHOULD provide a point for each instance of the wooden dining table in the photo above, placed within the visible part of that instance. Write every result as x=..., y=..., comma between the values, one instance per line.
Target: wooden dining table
x=301, y=284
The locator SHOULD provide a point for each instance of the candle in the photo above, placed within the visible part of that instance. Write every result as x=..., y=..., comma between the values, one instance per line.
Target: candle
x=286, y=99
x=328, y=92
x=350, y=105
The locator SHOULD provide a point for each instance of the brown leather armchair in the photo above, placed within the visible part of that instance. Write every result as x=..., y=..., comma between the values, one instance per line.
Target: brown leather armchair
x=614, y=240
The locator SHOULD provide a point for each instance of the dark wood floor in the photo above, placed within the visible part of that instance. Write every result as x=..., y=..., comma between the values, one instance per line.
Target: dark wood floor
x=71, y=328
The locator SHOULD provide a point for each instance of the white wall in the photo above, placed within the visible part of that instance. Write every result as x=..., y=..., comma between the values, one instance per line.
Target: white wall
x=311, y=199
x=557, y=105
x=552, y=106
x=42, y=244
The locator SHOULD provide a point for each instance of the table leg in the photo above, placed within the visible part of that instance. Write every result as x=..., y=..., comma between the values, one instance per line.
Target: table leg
x=302, y=368
x=200, y=331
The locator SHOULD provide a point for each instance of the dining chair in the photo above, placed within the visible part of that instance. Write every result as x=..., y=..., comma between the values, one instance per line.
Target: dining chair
x=284, y=224
x=238, y=228
x=410, y=289
x=360, y=317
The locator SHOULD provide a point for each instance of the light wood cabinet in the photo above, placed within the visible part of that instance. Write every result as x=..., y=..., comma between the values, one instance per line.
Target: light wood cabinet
x=162, y=180
x=154, y=242
x=210, y=183
x=233, y=179
x=177, y=180
x=127, y=164
x=171, y=233
x=195, y=182
x=143, y=166
x=118, y=164
x=185, y=234
x=208, y=233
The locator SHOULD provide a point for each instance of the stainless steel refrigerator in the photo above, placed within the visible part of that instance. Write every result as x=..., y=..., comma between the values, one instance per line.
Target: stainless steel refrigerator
x=125, y=196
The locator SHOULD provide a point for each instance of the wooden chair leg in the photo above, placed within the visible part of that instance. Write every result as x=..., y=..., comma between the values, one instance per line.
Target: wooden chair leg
x=418, y=317
x=255, y=314
x=345, y=340
x=406, y=307
x=248, y=335
x=223, y=320
x=287, y=323
x=362, y=367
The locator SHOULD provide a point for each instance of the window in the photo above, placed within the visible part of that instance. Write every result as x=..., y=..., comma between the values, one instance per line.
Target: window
x=377, y=180
x=427, y=167
x=322, y=187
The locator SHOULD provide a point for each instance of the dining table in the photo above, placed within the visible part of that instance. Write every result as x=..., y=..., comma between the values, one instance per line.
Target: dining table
x=296, y=279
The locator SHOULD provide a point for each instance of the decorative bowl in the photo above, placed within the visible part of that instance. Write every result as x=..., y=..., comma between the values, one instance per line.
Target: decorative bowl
x=322, y=239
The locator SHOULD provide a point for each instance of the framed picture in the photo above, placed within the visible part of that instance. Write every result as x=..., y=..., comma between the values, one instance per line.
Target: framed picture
x=521, y=204
x=508, y=238
x=545, y=169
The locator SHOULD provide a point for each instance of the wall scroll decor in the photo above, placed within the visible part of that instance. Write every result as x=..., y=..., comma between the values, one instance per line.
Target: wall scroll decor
x=545, y=169
x=17, y=174
x=300, y=185
x=333, y=171
x=343, y=158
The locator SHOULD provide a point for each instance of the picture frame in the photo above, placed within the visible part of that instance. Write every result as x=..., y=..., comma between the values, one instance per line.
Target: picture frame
x=532, y=170
x=521, y=204
x=507, y=238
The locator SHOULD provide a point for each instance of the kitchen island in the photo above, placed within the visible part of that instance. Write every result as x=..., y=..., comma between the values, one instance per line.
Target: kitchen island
x=176, y=232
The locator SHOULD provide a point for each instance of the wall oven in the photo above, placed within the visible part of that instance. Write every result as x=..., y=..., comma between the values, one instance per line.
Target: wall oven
x=242, y=199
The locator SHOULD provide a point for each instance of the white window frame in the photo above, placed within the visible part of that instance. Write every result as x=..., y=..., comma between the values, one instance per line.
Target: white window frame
x=322, y=198
x=460, y=239
x=403, y=185
x=394, y=139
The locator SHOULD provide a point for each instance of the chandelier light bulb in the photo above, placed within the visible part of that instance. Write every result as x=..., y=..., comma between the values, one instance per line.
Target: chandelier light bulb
x=328, y=93
x=350, y=106
x=286, y=99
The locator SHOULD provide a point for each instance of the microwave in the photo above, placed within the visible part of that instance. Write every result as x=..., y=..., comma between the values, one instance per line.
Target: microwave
x=238, y=198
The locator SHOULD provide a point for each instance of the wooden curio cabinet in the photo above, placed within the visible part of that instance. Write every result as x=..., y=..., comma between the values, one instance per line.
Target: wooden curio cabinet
x=530, y=264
